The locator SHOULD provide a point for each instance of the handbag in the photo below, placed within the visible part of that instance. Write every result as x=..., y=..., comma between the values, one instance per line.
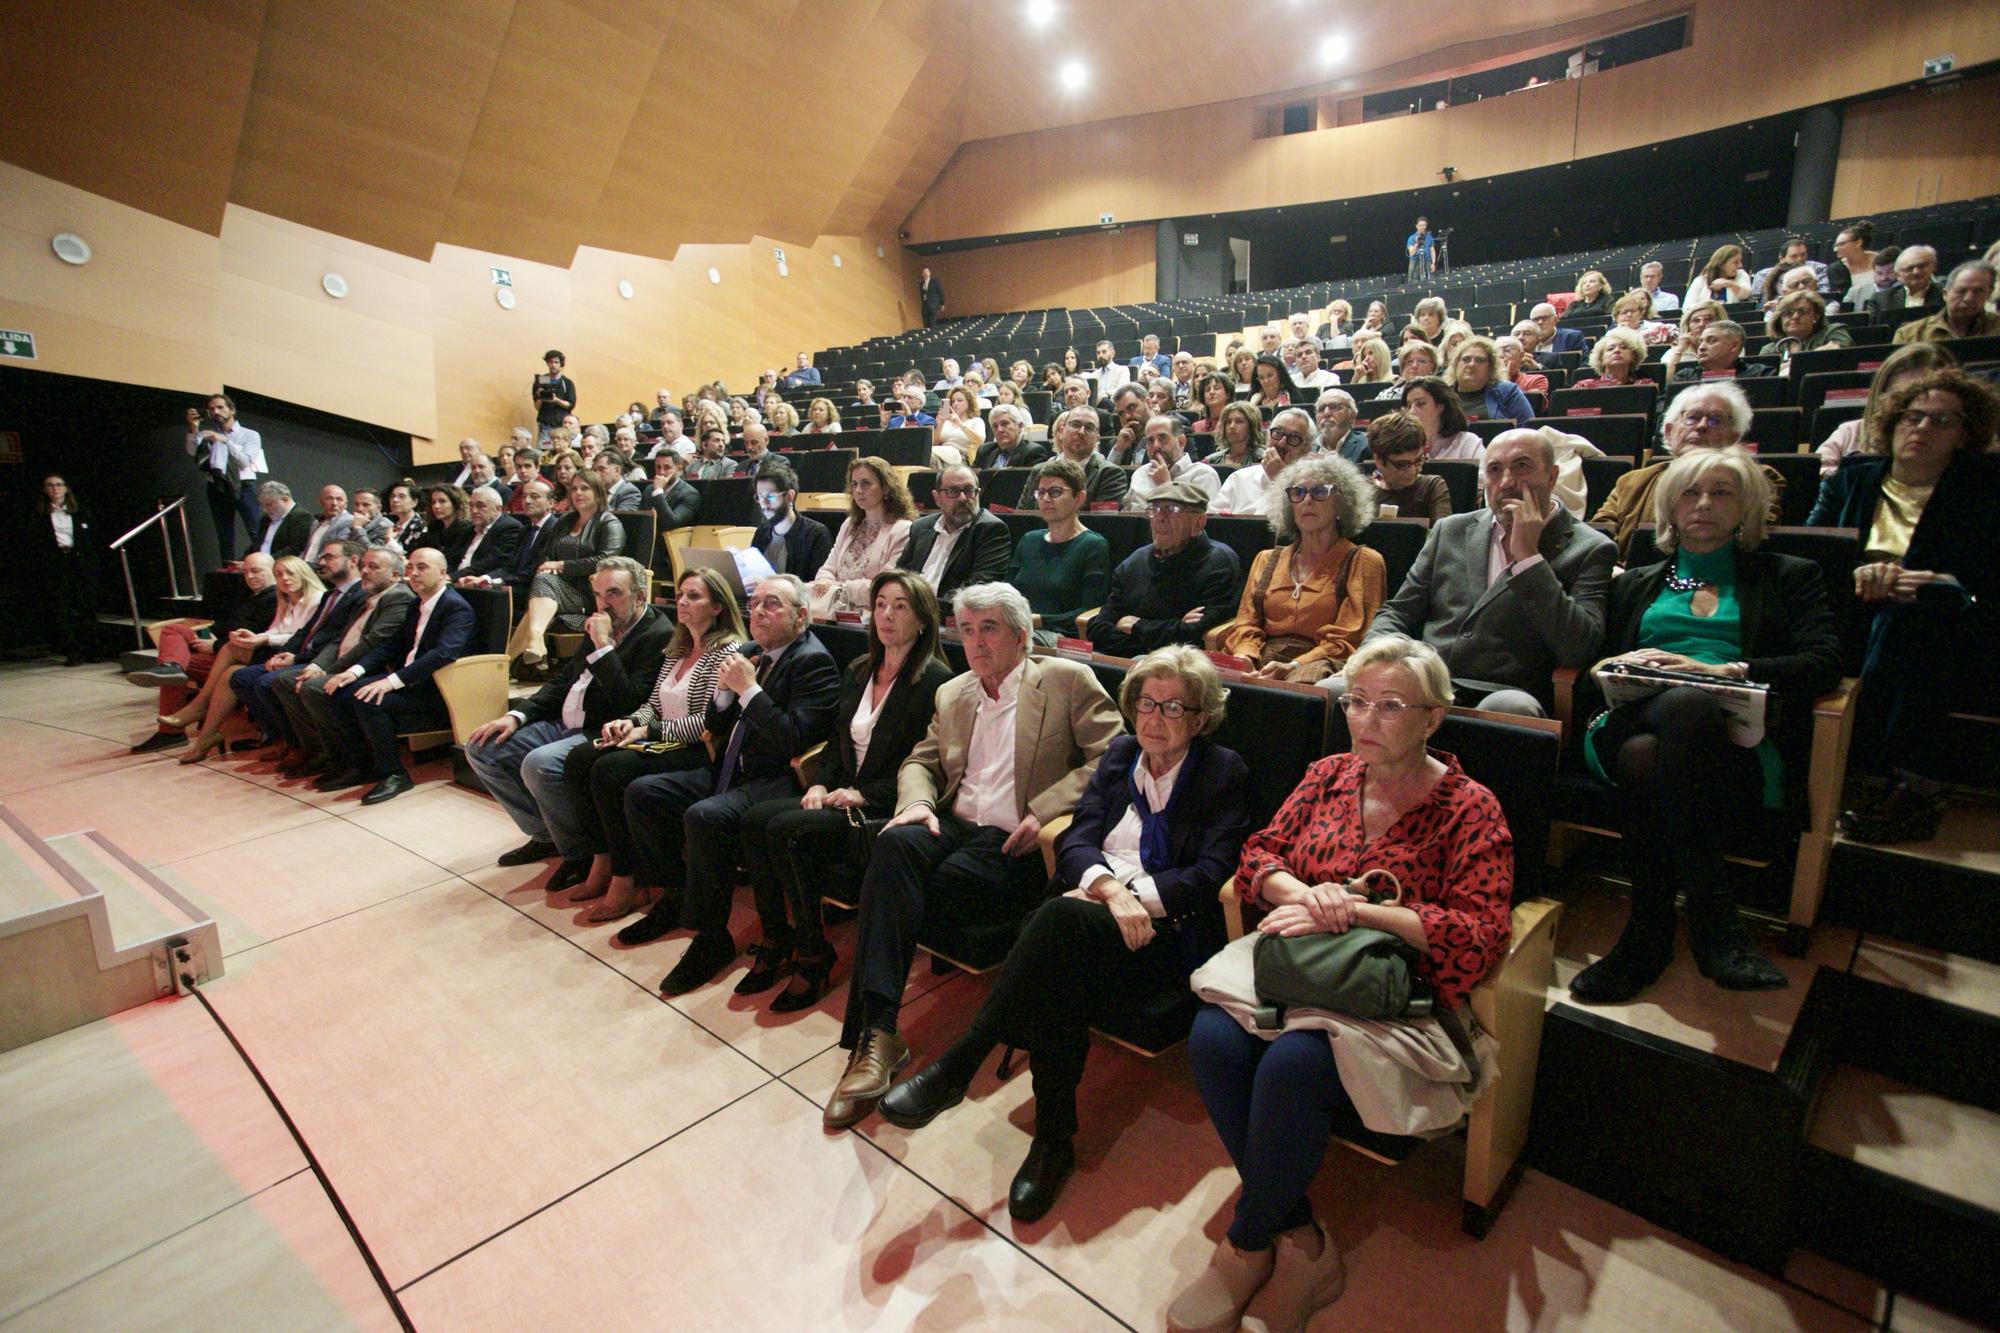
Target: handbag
x=1286, y=647
x=1363, y=972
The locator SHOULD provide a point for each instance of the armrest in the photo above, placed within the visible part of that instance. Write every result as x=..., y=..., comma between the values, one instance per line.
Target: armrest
x=474, y=690
x=1051, y=834
x=1564, y=680
x=805, y=765
x=1510, y=1005
x=1083, y=619
x=1232, y=908
x=1212, y=640
x=1826, y=773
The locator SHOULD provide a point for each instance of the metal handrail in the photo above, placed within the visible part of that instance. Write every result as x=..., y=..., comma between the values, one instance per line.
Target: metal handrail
x=160, y=512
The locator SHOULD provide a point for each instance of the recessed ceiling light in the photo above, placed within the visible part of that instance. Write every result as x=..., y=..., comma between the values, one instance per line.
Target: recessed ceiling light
x=1073, y=75
x=333, y=285
x=625, y=288
x=1333, y=50
x=70, y=248
x=715, y=275
x=1041, y=11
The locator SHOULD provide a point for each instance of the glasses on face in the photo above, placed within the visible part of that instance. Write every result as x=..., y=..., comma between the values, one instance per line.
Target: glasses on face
x=1279, y=435
x=1051, y=493
x=1917, y=416
x=1301, y=494
x=1388, y=709
x=1472, y=359
x=1171, y=509
x=1705, y=418
x=957, y=490
x=1171, y=709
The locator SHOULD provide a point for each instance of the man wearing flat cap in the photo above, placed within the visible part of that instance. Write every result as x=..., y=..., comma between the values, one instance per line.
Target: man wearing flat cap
x=1174, y=590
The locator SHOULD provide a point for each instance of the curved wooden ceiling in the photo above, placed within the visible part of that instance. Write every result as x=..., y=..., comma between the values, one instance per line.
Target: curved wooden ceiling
x=531, y=127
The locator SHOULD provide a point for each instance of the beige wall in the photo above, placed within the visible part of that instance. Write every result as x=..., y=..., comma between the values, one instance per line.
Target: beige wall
x=1207, y=159
x=1070, y=272
x=1920, y=148
x=417, y=347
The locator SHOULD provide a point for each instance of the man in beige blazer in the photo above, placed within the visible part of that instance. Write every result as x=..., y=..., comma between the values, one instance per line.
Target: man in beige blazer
x=1013, y=745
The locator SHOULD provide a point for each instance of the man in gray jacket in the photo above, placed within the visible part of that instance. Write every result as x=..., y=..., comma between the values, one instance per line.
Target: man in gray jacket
x=306, y=705
x=1508, y=593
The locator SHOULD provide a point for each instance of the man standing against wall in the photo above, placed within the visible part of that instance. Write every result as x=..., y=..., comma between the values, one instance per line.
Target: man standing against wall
x=232, y=456
x=1421, y=247
x=931, y=296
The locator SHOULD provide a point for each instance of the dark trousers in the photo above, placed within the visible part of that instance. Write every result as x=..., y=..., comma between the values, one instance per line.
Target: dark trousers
x=258, y=688
x=1069, y=963
x=596, y=781
x=788, y=851
x=1909, y=682
x=1274, y=1104
x=688, y=834
x=73, y=613
x=1685, y=788
x=959, y=877
x=367, y=732
x=226, y=503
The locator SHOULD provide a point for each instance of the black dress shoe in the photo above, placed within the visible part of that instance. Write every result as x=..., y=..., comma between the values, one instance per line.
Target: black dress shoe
x=160, y=740
x=534, y=849
x=707, y=954
x=340, y=780
x=810, y=975
x=769, y=964
x=1040, y=1179
x=663, y=918
x=568, y=875
x=919, y=1099
x=1905, y=814
x=388, y=789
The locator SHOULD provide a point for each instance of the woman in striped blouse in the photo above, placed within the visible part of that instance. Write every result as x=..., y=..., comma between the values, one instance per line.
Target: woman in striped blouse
x=666, y=733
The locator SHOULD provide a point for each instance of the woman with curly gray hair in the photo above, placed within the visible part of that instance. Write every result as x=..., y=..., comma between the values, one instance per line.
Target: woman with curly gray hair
x=1309, y=598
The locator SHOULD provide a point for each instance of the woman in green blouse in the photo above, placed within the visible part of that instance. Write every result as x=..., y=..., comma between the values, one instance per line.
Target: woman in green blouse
x=1067, y=568
x=1718, y=607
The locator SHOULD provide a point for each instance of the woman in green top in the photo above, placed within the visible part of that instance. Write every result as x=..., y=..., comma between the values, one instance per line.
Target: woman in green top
x=1719, y=607
x=1066, y=569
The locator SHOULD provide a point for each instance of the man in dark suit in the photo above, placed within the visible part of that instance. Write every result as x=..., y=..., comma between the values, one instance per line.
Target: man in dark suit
x=1508, y=593
x=386, y=606
x=961, y=544
x=931, y=296
x=794, y=543
x=538, y=524
x=1009, y=447
x=674, y=499
x=286, y=528
x=1173, y=590
x=496, y=536
x=1556, y=339
x=392, y=687
x=1076, y=436
x=766, y=710
x=259, y=684
x=519, y=755
x=1915, y=287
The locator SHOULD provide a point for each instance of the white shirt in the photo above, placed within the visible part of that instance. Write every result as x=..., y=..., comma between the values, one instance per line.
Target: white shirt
x=240, y=455
x=862, y=729
x=1462, y=445
x=986, y=795
x=1319, y=379
x=1184, y=469
x=941, y=548
x=321, y=526
x=1664, y=301
x=478, y=536
x=1111, y=378
x=271, y=529
x=1247, y=491
x=65, y=528
x=1121, y=845
x=424, y=609
x=1496, y=555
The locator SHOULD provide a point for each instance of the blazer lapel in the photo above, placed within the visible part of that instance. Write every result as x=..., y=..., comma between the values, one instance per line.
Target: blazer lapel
x=1750, y=590
x=1030, y=706
x=1479, y=545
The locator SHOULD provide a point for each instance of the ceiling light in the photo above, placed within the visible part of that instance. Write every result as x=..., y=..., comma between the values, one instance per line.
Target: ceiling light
x=70, y=248
x=1073, y=75
x=1040, y=12
x=1333, y=50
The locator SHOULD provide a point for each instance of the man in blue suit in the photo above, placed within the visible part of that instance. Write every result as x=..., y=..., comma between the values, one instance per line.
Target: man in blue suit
x=392, y=689
x=1151, y=355
x=1543, y=317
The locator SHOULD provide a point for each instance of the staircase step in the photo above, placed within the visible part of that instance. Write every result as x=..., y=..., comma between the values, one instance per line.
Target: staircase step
x=138, y=910
x=1943, y=893
x=1946, y=1146
x=28, y=882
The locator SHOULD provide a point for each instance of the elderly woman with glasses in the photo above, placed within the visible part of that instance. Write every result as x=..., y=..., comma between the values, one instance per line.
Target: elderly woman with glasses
x=1717, y=609
x=1155, y=834
x=1309, y=598
x=1275, y=1095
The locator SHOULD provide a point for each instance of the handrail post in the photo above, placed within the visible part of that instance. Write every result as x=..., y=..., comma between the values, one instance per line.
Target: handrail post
x=167, y=549
x=187, y=549
x=132, y=598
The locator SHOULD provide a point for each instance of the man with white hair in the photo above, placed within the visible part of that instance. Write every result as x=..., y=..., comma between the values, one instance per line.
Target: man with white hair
x=951, y=379
x=1247, y=491
x=1915, y=287
x=285, y=527
x=1664, y=301
x=468, y=449
x=1012, y=745
x=496, y=539
x=1150, y=355
x=1556, y=339
x=1010, y=445
x=1712, y=415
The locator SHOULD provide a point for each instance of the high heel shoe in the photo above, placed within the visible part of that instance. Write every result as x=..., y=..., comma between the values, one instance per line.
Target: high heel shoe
x=201, y=749
x=810, y=975
x=187, y=717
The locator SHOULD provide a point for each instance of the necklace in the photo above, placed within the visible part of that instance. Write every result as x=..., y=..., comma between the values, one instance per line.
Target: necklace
x=1681, y=583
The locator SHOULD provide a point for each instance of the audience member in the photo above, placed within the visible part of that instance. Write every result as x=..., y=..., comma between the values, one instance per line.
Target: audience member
x=1167, y=463
x=1792, y=256
x=1593, y=298
x=1718, y=354
x=1435, y=406
x=1924, y=501
x=1157, y=831
x=334, y=523
x=372, y=527
x=1798, y=323
x=231, y=456
x=65, y=562
x=1660, y=300
x=470, y=451
x=959, y=544
x=285, y=527
x=1485, y=393
x=1075, y=435
x=1632, y=311
x=1110, y=374
x=1173, y=590
x=873, y=534
x=387, y=603
x=791, y=542
x=711, y=461
x=1309, y=597
x=1128, y=448
x=186, y=658
x=1417, y=360
x=561, y=583
x=1276, y=1095
x=1010, y=445
x=1292, y=436
x=1397, y=443
x=620, y=495
x=1306, y=373
x=299, y=593
x=757, y=455
x=1212, y=393
x=1427, y=320
x=1551, y=339
x=1065, y=569
x=1695, y=320
x=259, y=685
x=1239, y=437
x=822, y=417
x=1274, y=384
x=1903, y=366
x=1915, y=287
x=1965, y=313
x=803, y=373
x=1851, y=278
x=1710, y=416
x=1013, y=744
x=675, y=503
x=1151, y=355
x=671, y=438
x=1512, y=358
x=1721, y=279
x=496, y=537
x=1616, y=359
x=1508, y=593
x=449, y=530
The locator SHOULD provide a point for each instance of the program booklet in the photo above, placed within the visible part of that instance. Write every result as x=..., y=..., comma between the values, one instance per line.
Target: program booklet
x=1742, y=700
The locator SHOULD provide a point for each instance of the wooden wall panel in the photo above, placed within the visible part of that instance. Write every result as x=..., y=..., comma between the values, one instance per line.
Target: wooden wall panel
x=1095, y=268
x=1920, y=148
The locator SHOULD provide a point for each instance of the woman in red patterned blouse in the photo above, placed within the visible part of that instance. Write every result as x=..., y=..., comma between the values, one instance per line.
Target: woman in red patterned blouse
x=1391, y=804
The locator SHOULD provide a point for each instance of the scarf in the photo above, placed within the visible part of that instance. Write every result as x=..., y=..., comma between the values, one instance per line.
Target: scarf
x=1154, y=853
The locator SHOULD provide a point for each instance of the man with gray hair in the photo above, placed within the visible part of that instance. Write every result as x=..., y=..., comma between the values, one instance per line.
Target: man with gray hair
x=519, y=755
x=1664, y=301
x=1543, y=317
x=496, y=537
x=1718, y=354
x=1335, y=413
x=1967, y=294
x=1248, y=491
x=1012, y=745
x=333, y=524
x=469, y=450
x=285, y=528
x=1165, y=443
x=1075, y=434
x=1010, y=445
x=768, y=708
x=1915, y=287
x=1508, y=593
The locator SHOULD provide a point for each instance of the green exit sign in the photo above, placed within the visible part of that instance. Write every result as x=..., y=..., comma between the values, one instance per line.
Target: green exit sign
x=17, y=344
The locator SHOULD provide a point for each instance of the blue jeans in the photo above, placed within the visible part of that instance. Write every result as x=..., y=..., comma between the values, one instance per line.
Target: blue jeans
x=1274, y=1104
x=524, y=773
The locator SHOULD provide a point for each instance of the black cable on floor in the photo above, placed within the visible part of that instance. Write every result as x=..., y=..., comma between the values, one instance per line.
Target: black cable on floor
x=312, y=1161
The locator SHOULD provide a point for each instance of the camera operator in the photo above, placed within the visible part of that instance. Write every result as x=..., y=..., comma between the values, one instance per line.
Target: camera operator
x=232, y=457
x=553, y=393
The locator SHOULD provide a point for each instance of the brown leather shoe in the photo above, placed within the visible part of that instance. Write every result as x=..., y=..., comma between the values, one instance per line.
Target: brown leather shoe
x=877, y=1057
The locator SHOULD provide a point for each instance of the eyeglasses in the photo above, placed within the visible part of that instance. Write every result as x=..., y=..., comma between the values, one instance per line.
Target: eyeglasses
x=1172, y=709
x=1301, y=494
x=1281, y=436
x=1052, y=492
x=956, y=490
x=1173, y=508
x=1917, y=416
x=1705, y=418
x=1390, y=709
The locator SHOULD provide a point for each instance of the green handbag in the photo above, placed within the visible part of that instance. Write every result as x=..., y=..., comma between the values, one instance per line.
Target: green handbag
x=1363, y=972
